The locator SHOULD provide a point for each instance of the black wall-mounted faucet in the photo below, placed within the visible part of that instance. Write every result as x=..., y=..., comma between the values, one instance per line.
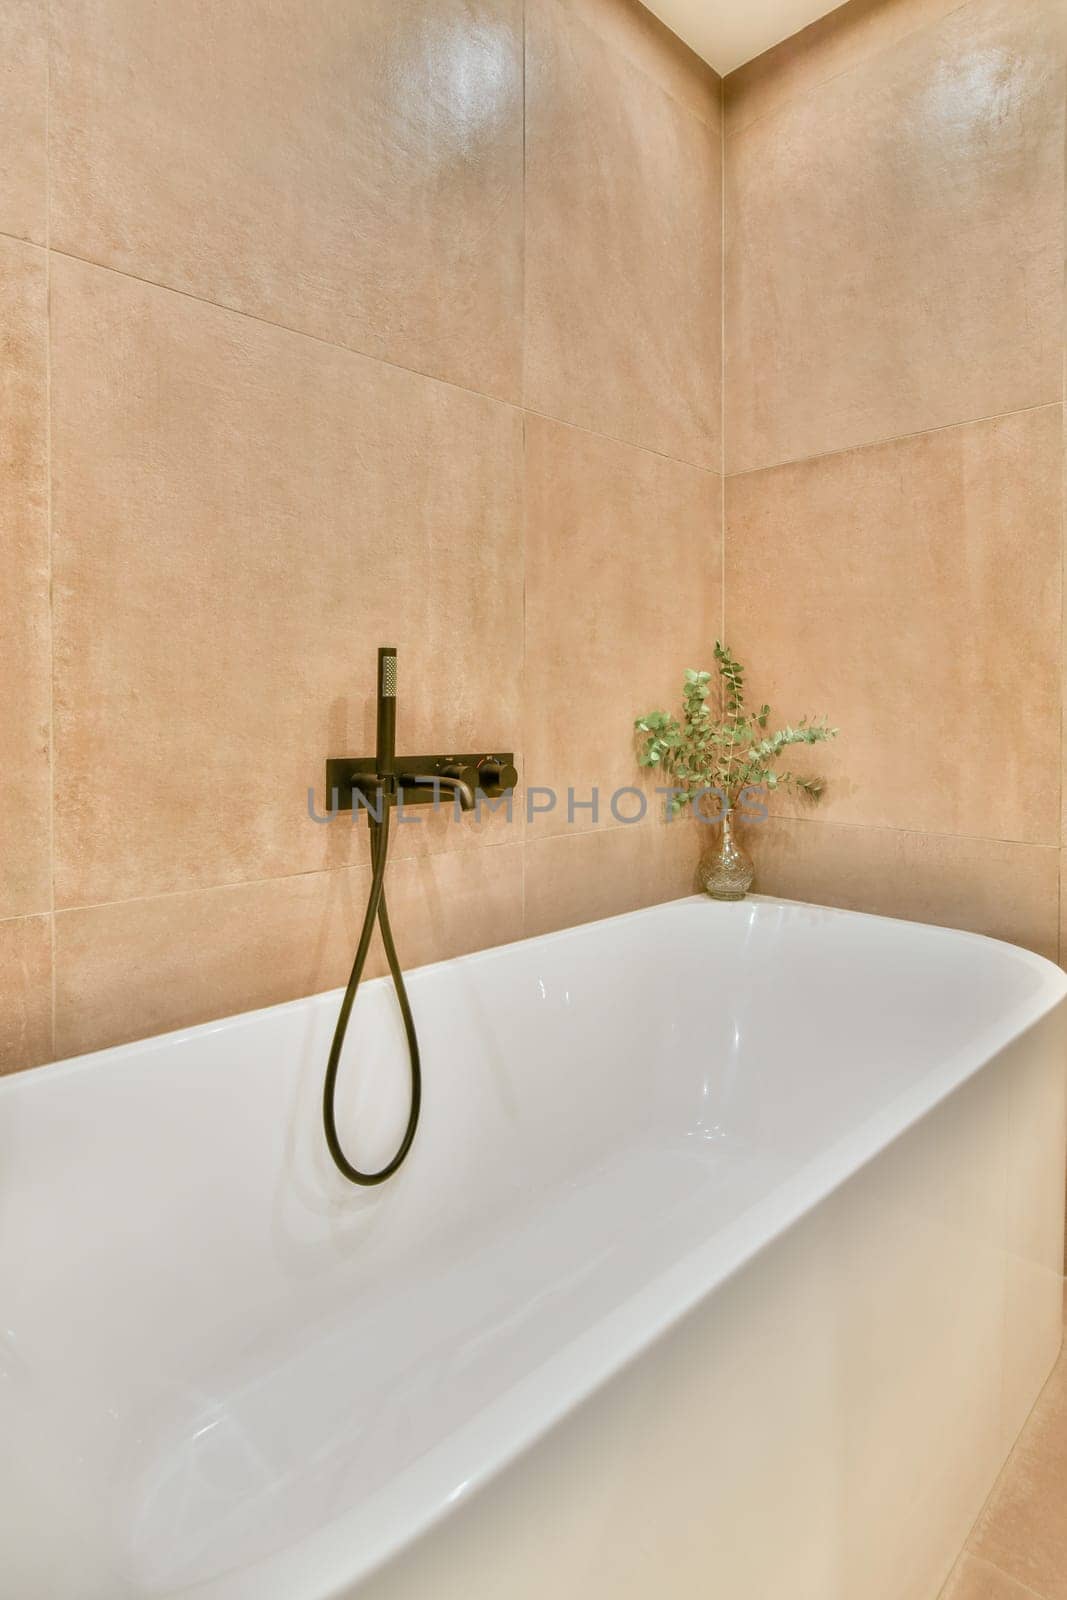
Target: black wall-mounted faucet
x=417, y=780
x=380, y=782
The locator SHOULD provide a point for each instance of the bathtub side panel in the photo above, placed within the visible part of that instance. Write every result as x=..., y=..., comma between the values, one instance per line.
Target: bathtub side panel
x=1035, y=1138
x=829, y=1423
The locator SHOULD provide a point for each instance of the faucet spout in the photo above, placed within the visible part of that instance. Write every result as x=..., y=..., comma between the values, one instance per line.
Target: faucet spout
x=458, y=787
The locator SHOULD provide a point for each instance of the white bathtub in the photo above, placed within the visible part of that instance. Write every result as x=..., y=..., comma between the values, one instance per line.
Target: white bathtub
x=726, y=1264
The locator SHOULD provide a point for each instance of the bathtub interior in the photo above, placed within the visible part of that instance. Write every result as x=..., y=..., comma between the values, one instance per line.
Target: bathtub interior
x=219, y=1347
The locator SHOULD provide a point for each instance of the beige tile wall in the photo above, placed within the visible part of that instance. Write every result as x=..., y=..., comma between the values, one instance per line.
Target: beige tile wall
x=325, y=326
x=622, y=268
x=24, y=119
x=894, y=367
x=404, y=321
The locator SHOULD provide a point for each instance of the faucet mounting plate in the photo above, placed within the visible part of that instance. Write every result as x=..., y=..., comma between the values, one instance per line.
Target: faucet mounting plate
x=346, y=773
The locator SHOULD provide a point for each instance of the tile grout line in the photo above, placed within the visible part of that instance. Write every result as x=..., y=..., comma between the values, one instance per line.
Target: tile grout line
x=279, y=877
x=923, y=833
x=855, y=66
x=526, y=841
x=53, y=986
x=1063, y=710
x=366, y=355
x=722, y=359
x=18, y=238
x=1001, y=1478
x=282, y=327
x=313, y=872
x=25, y=916
x=619, y=50
x=627, y=444
x=522, y=297
x=896, y=438
x=524, y=414
x=990, y=1566
x=1060, y=952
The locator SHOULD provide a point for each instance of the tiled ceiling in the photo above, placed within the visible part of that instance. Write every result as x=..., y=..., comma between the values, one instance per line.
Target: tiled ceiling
x=727, y=33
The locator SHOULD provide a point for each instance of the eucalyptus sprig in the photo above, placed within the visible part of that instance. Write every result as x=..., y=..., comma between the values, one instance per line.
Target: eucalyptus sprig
x=730, y=752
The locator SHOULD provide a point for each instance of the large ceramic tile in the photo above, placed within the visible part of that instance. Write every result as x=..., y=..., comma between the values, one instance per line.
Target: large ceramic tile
x=127, y=971
x=895, y=242
x=1063, y=908
x=845, y=38
x=1023, y=1529
x=25, y=992
x=1006, y=890
x=623, y=246
x=630, y=28
x=354, y=171
x=911, y=591
x=241, y=516
x=581, y=877
x=622, y=594
x=25, y=662
x=23, y=118
x=977, y=1580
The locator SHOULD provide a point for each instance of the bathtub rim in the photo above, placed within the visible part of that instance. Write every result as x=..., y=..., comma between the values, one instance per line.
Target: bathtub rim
x=321, y=1565
x=60, y=1066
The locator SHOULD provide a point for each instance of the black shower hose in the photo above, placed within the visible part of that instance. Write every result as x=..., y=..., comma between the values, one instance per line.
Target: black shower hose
x=376, y=908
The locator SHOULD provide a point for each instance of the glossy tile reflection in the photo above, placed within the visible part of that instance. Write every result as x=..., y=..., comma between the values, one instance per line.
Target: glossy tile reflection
x=906, y=543
x=352, y=503
x=354, y=172
x=623, y=246
x=895, y=241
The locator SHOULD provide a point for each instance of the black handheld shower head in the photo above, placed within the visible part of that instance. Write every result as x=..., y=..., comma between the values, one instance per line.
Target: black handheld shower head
x=380, y=785
x=378, y=822
x=387, y=711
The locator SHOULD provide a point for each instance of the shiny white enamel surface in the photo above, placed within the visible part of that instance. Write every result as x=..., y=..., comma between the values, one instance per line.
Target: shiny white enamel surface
x=674, y=1136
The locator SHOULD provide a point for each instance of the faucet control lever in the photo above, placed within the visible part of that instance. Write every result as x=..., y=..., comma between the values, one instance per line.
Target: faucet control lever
x=495, y=775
